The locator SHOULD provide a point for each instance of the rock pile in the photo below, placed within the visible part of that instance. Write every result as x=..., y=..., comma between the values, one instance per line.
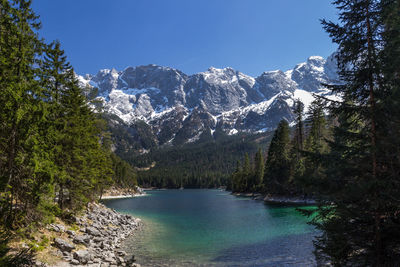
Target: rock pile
x=97, y=242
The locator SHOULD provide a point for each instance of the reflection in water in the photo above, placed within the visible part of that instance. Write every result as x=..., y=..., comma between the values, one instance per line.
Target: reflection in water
x=214, y=228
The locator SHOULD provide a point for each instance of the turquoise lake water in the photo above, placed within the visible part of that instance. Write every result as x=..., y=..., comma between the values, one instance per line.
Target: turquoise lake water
x=214, y=228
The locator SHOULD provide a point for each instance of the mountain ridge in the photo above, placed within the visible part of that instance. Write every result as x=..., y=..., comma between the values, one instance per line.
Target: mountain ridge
x=179, y=108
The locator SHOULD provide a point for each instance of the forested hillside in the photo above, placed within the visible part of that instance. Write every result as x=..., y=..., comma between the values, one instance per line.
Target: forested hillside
x=206, y=164
x=55, y=152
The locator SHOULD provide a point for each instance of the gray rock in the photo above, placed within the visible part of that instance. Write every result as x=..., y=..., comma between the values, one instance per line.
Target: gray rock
x=110, y=260
x=97, y=226
x=130, y=261
x=98, y=239
x=92, y=231
x=121, y=253
x=87, y=238
x=57, y=228
x=79, y=239
x=63, y=245
x=75, y=262
x=104, y=245
x=70, y=233
x=111, y=255
x=83, y=256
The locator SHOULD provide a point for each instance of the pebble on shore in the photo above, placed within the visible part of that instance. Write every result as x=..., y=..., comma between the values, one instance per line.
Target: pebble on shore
x=97, y=243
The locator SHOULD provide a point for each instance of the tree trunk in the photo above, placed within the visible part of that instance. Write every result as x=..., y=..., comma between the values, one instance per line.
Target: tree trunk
x=61, y=197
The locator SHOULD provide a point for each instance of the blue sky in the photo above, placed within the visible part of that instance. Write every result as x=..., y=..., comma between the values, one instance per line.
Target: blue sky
x=251, y=36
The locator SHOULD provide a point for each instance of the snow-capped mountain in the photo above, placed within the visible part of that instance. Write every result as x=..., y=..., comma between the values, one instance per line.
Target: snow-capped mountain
x=181, y=108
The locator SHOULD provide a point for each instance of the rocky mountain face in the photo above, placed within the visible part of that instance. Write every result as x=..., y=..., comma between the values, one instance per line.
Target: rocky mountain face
x=177, y=108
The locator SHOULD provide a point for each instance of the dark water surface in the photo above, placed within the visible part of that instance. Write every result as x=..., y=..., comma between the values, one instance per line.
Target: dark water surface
x=214, y=228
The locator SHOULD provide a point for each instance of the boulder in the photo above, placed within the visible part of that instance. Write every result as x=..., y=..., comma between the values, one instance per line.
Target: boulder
x=57, y=228
x=110, y=260
x=104, y=245
x=130, y=261
x=98, y=239
x=83, y=256
x=120, y=260
x=92, y=231
x=121, y=253
x=74, y=262
x=79, y=239
x=70, y=233
x=63, y=245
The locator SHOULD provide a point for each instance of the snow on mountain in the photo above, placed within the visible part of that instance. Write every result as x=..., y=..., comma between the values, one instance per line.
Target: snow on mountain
x=180, y=108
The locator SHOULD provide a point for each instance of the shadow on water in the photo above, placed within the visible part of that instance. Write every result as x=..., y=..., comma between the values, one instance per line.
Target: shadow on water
x=276, y=252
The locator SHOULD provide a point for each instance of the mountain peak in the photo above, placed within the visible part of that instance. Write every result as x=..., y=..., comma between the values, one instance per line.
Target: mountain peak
x=315, y=59
x=272, y=72
x=218, y=70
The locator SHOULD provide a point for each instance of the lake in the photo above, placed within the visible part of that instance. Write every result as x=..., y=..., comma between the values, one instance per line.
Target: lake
x=194, y=227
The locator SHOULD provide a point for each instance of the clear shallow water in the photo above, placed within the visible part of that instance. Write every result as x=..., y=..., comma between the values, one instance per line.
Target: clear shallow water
x=214, y=228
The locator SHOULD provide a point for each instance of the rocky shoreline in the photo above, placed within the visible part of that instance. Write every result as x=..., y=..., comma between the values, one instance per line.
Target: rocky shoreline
x=114, y=193
x=97, y=242
x=292, y=200
x=279, y=199
x=123, y=196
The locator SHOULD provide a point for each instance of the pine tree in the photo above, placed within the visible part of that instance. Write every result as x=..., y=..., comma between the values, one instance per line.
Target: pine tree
x=277, y=166
x=258, y=170
x=236, y=178
x=299, y=128
x=246, y=174
x=55, y=71
x=56, y=75
x=297, y=146
x=85, y=163
x=315, y=148
x=317, y=126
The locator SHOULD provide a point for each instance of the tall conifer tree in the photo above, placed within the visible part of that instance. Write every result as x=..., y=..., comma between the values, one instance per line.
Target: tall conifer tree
x=296, y=157
x=317, y=126
x=277, y=166
x=299, y=128
x=246, y=173
x=85, y=163
x=258, y=169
